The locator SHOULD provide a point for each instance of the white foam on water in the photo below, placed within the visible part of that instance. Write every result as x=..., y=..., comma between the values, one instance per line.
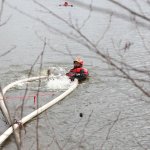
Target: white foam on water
x=57, y=71
x=58, y=83
x=57, y=79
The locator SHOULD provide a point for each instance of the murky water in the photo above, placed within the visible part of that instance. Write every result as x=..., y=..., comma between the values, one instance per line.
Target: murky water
x=114, y=113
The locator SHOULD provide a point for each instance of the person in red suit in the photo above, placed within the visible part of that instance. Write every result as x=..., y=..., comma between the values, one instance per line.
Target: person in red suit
x=78, y=71
x=66, y=4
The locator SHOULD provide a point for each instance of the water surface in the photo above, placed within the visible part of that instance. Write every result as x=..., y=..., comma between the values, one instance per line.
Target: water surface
x=114, y=113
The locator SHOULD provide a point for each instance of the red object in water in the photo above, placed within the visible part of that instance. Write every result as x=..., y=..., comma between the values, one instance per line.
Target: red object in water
x=34, y=100
x=66, y=4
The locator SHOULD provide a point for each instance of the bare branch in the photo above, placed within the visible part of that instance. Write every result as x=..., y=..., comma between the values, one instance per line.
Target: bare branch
x=140, y=9
x=105, y=31
x=54, y=134
x=8, y=51
x=142, y=38
x=85, y=126
x=108, y=11
x=39, y=84
x=88, y=17
x=139, y=144
x=109, y=130
x=131, y=11
x=1, y=9
x=5, y=22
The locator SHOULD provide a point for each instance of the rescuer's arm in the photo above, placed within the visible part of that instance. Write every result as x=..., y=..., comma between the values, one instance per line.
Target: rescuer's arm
x=80, y=76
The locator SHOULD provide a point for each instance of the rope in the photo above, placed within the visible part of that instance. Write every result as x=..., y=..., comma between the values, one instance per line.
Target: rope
x=27, y=97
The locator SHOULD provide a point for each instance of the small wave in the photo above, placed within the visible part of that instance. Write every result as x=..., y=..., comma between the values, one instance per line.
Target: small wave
x=58, y=83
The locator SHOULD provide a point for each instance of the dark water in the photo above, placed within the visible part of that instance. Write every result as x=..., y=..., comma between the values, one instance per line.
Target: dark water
x=114, y=113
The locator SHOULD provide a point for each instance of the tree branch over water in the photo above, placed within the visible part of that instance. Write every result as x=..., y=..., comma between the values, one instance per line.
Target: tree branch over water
x=109, y=130
x=119, y=15
x=37, y=106
x=130, y=10
x=1, y=13
x=1, y=8
x=7, y=52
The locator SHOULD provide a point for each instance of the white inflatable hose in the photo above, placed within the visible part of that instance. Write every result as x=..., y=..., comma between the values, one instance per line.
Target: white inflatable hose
x=2, y=104
x=9, y=131
x=4, y=109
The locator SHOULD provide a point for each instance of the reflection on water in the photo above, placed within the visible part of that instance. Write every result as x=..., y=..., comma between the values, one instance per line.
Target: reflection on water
x=114, y=113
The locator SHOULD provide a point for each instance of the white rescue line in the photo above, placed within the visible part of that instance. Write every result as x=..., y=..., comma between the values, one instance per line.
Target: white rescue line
x=25, y=119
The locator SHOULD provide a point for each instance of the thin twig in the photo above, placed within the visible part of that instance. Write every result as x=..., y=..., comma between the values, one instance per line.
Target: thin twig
x=105, y=31
x=7, y=52
x=109, y=11
x=88, y=17
x=109, y=130
x=130, y=10
x=39, y=84
x=1, y=9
